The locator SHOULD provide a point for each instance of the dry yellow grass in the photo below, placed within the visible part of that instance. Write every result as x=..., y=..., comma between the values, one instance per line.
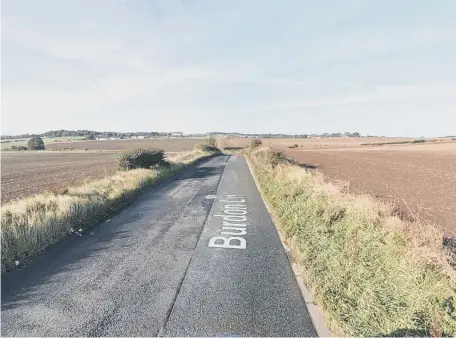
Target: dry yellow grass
x=30, y=225
x=372, y=273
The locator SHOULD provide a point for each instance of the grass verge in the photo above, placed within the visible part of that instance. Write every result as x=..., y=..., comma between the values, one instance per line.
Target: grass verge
x=370, y=272
x=30, y=225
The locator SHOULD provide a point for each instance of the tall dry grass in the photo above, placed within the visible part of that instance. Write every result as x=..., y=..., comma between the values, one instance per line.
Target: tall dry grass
x=372, y=273
x=30, y=225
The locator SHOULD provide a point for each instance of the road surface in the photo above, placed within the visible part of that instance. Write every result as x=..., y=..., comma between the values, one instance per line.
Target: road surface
x=197, y=256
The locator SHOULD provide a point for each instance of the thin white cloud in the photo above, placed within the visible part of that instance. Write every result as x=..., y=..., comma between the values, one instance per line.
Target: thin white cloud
x=204, y=59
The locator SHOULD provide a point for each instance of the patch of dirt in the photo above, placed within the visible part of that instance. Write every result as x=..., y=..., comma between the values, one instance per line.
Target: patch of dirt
x=420, y=179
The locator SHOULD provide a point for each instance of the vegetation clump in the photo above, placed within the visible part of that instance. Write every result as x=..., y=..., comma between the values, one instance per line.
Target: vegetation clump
x=275, y=157
x=212, y=141
x=18, y=148
x=204, y=147
x=208, y=146
x=36, y=143
x=255, y=143
x=141, y=158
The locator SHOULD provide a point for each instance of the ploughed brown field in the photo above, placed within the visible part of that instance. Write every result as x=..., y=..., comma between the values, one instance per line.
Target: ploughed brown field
x=26, y=173
x=29, y=173
x=419, y=178
x=337, y=142
x=167, y=144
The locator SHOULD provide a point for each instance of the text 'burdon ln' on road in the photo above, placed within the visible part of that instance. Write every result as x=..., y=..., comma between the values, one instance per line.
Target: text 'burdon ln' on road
x=234, y=223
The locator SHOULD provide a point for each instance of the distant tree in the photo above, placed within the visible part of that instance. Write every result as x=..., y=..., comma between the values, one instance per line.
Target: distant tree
x=36, y=143
x=355, y=134
x=91, y=137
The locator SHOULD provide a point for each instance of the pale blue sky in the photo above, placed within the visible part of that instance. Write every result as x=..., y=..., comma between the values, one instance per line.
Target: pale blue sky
x=377, y=67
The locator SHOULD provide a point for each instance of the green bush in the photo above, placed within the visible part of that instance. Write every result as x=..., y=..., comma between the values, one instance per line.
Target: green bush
x=36, y=143
x=203, y=146
x=141, y=158
x=256, y=142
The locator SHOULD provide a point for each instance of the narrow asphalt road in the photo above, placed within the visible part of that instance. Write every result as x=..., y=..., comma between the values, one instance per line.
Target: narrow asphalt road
x=198, y=256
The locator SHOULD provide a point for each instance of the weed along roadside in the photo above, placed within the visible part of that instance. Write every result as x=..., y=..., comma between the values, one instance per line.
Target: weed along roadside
x=30, y=225
x=234, y=224
x=370, y=272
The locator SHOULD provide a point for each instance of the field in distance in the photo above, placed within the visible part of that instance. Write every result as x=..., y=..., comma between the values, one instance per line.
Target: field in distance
x=325, y=142
x=5, y=144
x=418, y=177
x=167, y=144
x=66, y=143
x=26, y=173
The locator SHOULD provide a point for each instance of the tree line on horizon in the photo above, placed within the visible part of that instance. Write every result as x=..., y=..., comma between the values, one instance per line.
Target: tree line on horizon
x=92, y=135
x=88, y=134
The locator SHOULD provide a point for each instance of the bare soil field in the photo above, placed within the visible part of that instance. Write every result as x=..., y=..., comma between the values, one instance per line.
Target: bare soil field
x=167, y=144
x=28, y=173
x=419, y=178
x=323, y=143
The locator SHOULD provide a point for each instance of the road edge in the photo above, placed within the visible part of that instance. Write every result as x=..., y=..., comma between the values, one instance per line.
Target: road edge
x=316, y=315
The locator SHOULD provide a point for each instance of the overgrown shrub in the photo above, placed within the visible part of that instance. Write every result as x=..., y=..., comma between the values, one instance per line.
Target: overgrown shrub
x=274, y=158
x=256, y=142
x=36, y=143
x=141, y=158
x=419, y=141
x=212, y=141
x=203, y=146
